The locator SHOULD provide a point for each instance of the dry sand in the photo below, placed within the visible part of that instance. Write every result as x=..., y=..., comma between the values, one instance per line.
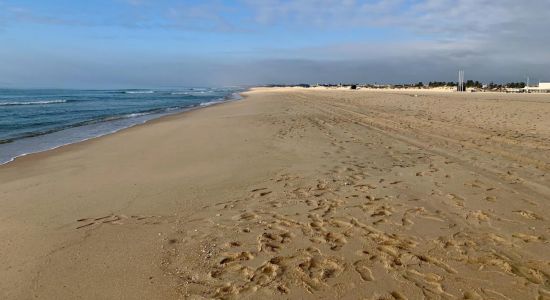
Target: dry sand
x=291, y=193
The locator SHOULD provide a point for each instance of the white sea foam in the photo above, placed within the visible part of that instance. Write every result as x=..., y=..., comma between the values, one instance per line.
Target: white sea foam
x=211, y=103
x=134, y=115
x=42, y=102
x=139, y=92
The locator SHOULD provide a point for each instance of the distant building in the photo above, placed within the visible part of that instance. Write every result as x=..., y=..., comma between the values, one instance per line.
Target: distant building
x=543, y=87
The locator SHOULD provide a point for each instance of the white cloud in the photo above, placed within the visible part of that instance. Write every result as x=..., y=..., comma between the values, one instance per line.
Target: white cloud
x=449, y=17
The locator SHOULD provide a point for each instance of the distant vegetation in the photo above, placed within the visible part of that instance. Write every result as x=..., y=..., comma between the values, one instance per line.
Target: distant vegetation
x=304, y=85
x=442, y=84
x=478, y=85
x=516, y=85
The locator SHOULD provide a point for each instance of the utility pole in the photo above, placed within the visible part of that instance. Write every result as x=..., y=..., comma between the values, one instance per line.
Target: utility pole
x=460, y=86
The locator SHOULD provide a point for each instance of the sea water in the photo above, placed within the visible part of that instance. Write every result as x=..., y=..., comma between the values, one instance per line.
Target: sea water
x=33, y=120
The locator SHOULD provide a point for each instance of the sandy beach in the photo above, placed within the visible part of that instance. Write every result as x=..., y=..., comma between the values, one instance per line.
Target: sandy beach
x=291, y=193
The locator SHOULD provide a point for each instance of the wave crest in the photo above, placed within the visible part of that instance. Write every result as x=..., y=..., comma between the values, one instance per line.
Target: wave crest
x=45, y=102
x=139, y=92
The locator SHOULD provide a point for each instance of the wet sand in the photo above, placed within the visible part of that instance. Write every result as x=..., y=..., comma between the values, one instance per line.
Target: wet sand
x=291, y=193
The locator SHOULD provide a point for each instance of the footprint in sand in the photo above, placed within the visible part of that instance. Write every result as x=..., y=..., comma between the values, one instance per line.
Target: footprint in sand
x=247, y=216
x=527, y=238
x=528, y=215
x=362, y=267
x=458, y=201
x=231, y=257
x=261, y=192
x=491, y=198
x=335, y=240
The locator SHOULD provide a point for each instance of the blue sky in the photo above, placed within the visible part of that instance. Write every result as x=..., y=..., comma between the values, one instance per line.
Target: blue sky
x=147, y=43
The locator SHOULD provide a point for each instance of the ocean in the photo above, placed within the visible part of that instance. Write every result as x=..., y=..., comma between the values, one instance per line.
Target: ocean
x=33, y=120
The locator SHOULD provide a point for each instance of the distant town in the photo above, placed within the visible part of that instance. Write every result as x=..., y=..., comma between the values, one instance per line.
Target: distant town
x=467, y=86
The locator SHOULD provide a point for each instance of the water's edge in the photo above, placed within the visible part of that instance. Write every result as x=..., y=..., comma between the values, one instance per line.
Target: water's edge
x=146, y=119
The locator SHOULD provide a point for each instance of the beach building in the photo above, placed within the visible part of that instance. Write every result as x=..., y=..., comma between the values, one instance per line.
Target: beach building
x=543, y=87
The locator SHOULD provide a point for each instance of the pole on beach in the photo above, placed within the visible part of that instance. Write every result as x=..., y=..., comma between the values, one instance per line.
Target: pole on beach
x=461, y=87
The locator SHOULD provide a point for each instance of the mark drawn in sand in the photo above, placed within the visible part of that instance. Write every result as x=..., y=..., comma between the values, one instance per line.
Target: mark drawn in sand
x=86, y=223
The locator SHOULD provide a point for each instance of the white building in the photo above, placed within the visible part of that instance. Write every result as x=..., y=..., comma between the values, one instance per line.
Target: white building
x=543, y=87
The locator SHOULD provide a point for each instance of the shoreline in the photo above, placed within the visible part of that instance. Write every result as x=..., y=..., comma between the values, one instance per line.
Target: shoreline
x=168, y=114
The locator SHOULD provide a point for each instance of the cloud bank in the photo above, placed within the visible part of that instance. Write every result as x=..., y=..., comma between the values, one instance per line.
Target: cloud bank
x=492, y=40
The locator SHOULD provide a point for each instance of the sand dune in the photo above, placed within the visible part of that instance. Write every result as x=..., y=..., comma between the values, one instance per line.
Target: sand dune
x=292, y=193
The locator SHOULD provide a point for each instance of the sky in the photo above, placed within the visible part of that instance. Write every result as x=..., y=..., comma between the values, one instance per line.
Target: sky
x=169, y=43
